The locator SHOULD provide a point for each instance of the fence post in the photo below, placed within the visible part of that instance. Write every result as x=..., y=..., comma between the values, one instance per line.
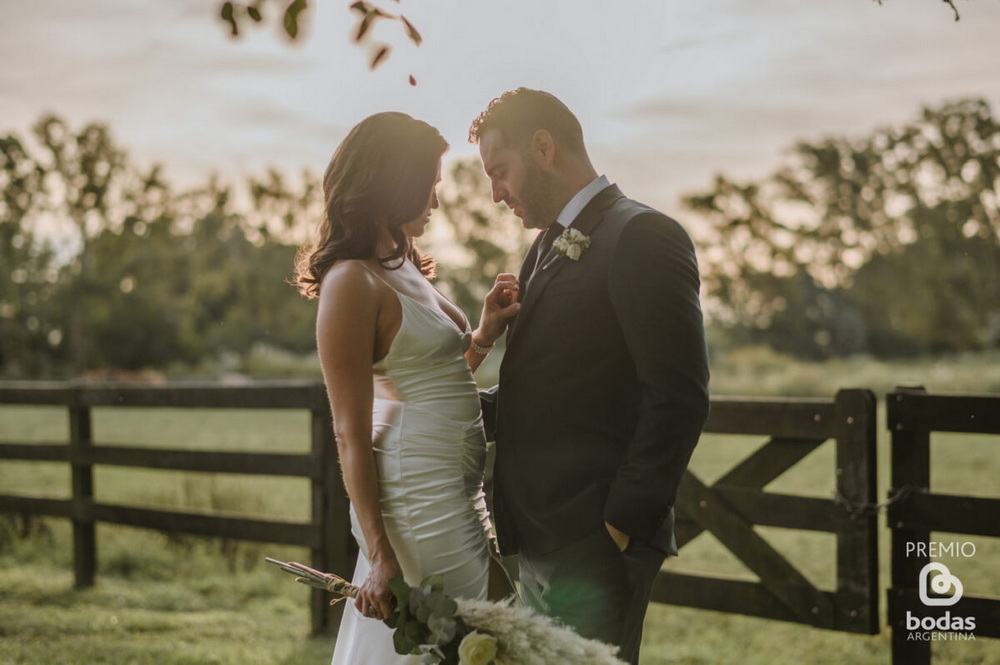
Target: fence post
x=337, y=550
x=911, y=472
x=857, y=550
x=84, y=531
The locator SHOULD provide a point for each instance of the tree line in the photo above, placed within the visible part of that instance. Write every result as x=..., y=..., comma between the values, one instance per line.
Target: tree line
x=108, y=266
x=886, y=244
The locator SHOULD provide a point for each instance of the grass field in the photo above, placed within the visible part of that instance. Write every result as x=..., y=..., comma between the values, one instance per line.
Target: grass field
x=179, y=600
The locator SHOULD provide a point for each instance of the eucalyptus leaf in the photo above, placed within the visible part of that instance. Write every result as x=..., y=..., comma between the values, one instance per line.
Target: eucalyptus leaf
x=442, y=628
x=401, y=590
x=443, y=606
x=401, y=644
x=419, y=605
x=433, y=583
x=415, y=633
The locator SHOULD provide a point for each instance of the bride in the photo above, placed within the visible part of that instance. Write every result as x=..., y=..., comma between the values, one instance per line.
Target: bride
x=398, y=359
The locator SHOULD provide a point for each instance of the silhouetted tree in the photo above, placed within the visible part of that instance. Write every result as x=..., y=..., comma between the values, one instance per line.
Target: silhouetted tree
x=27, y=334
x=897, y=232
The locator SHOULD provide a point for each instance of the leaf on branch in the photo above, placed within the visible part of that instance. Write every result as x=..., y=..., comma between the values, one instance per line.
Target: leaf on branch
x=254, y=14
x=371, y=13
x=228, y=17
x=379, y=57
x=411, y=32
x=292, y=17
x=366, y=23
x=367, y=8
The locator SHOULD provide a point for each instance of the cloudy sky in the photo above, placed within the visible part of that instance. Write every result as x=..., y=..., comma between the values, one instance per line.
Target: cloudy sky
x=669, y=92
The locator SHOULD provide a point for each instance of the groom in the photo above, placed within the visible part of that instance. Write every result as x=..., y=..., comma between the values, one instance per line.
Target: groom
x=603, y=389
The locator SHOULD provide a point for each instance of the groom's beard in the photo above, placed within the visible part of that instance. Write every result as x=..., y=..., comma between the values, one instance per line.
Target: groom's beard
x=537, y=198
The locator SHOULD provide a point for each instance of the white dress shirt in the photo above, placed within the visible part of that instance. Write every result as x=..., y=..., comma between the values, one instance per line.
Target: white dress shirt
x=580, y=201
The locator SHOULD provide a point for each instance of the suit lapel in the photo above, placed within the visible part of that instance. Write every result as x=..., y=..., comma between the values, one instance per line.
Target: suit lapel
x=586, y=222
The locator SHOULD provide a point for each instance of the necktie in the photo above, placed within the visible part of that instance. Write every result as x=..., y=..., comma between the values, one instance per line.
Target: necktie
x=548, y=238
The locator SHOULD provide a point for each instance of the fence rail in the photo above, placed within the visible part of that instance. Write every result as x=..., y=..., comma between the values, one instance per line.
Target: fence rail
x=729, y=508
x=915, y=512
x=734, y=504
x=326, y=533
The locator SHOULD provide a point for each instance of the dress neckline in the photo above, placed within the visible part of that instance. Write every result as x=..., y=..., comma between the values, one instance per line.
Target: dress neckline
x=437, y=311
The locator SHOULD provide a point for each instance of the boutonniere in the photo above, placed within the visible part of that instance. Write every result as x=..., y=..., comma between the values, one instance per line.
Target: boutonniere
x=571, y=244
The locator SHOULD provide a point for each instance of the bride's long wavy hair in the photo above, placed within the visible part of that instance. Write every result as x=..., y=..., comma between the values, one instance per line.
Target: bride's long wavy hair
x=381, y=175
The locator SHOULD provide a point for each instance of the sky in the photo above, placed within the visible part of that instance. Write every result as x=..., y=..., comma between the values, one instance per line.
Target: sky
x=669, y=92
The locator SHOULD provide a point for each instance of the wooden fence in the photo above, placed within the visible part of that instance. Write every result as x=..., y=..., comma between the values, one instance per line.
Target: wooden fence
x=730, y=507
x=916, y=514
x=326, y=534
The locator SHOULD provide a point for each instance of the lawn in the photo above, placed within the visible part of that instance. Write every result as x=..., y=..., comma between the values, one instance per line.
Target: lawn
x=177, y=600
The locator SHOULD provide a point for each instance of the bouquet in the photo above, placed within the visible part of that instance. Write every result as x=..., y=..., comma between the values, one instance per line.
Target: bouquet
x=458, y=631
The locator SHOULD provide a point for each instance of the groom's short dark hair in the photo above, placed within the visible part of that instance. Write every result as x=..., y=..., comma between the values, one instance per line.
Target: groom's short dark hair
x=518, y=114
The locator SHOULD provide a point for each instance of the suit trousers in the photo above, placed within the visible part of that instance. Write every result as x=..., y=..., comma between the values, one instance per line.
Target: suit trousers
x=593, y=587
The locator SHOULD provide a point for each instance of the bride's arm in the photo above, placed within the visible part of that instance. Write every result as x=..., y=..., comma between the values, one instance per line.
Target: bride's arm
x=499, y=306
x=346, y=332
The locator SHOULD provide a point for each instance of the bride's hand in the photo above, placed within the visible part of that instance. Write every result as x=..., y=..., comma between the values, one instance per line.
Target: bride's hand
x=506, y=287
x=375, y=599
x=500, y=304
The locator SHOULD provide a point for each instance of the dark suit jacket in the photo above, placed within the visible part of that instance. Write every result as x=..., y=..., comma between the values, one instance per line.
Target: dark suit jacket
x=603, y=388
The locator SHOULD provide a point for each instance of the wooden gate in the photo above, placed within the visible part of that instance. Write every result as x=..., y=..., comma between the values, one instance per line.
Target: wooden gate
x=915, y=512
x=730, y=507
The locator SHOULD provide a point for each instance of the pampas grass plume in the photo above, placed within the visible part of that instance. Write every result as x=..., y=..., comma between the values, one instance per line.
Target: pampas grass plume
x=525, y=637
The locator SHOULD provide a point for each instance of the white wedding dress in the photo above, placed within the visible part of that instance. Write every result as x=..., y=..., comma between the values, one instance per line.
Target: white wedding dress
x=431, y=453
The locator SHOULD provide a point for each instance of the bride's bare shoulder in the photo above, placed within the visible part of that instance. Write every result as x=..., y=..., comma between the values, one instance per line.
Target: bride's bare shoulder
x=353, y=301
x=349, y=277
x=350, y=289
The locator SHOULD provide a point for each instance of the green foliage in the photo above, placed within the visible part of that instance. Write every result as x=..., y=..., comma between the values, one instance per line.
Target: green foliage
x=888, y=244
x=26, y=287
x=236, y=15
x=424, y=620
x=147, y=276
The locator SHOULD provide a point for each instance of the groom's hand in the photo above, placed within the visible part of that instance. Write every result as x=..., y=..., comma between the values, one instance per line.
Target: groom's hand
x=620, y=537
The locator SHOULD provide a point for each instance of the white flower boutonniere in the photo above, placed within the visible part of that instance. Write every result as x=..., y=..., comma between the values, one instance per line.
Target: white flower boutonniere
x=571, y=244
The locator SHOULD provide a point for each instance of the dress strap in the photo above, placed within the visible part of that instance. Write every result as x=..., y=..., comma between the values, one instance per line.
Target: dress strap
x=378, y=276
